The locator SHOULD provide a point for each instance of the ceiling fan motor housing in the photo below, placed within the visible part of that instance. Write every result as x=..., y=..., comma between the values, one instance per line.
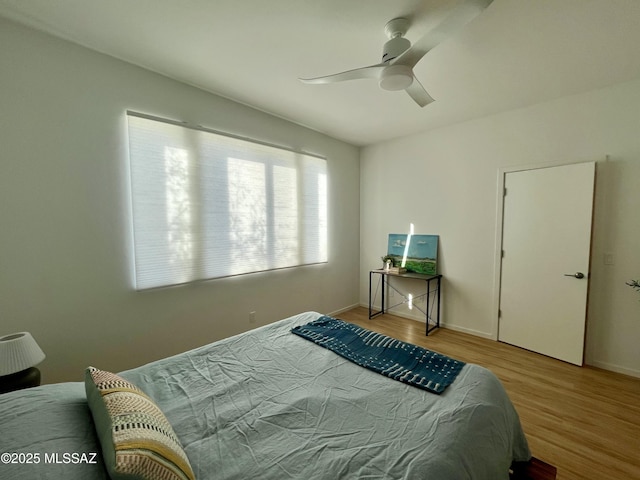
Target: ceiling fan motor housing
x=394, y=47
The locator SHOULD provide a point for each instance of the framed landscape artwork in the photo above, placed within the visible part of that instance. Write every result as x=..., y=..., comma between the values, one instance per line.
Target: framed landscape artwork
x=422, y=253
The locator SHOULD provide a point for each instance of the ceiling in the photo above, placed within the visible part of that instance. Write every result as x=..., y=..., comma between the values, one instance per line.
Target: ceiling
x=517, y=53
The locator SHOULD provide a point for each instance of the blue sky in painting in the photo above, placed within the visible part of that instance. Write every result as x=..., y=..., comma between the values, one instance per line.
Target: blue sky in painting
x=421, y=246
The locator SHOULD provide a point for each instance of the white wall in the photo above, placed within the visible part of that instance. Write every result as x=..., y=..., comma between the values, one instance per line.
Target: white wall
x=65, y=237
x=445, y=182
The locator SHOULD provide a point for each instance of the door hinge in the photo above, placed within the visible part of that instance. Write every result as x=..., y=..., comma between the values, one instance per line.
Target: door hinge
x=499, y=313
x=502, y=254
x=504, y=193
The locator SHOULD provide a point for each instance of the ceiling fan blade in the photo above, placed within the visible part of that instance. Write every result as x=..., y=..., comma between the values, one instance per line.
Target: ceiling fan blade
x=372, y=71
x=461, y=16
x=417, y=92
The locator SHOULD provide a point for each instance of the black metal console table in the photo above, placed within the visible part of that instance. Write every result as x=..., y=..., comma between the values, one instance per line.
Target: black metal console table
x=432, y=295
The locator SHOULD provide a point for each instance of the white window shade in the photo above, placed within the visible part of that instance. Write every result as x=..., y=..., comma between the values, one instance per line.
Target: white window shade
x=207, y=205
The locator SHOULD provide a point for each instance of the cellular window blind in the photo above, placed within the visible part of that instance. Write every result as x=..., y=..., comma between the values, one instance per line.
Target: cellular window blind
x=207, y=205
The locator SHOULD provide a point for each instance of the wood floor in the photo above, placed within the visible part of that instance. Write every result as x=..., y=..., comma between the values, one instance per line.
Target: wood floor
x=583, y=420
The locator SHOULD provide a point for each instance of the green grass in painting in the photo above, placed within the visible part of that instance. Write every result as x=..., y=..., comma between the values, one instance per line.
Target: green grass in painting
x=426, y=266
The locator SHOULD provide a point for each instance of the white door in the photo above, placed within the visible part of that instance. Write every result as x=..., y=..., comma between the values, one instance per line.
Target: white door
x=546, y=240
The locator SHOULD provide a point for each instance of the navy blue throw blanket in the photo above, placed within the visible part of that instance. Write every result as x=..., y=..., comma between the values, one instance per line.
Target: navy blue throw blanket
x=393, y=358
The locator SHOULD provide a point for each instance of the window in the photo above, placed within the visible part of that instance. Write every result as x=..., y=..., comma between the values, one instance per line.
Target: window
x=208, y=205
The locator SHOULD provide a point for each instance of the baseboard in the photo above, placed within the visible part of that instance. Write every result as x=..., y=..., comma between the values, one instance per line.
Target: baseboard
x=338, y=312
x=470, y=331
x=614, y=368
x=408, y=316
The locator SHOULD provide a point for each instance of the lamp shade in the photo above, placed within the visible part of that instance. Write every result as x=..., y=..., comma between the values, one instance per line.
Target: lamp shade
x=18, y=352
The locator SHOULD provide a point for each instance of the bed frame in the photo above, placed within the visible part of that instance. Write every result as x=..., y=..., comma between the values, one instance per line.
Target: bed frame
x=534, y=469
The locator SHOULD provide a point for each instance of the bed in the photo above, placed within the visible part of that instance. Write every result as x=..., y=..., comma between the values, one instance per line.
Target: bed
x=268, y=404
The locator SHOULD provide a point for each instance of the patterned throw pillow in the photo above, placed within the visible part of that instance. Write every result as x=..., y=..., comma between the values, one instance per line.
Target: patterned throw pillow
x=136, y=438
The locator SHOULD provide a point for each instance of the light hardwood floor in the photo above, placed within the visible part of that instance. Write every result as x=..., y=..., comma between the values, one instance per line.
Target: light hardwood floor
x=583, y=420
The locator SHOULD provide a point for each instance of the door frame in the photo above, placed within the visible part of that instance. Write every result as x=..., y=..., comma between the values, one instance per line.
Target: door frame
x=497, y=254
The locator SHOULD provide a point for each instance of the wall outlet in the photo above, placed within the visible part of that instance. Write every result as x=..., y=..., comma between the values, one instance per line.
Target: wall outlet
x=608, y=258
x=252, y=317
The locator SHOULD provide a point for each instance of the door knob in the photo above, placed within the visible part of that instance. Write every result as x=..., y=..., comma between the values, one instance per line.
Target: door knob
x=576, y=275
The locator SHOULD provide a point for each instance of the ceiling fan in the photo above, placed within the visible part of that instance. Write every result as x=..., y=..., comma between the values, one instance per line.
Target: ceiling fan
x=395, y=71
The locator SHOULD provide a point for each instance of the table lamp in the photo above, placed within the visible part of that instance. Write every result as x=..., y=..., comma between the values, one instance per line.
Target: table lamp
x=19, y=354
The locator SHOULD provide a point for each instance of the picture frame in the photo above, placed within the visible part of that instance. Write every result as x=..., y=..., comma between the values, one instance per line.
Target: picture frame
x=421, y=254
